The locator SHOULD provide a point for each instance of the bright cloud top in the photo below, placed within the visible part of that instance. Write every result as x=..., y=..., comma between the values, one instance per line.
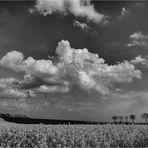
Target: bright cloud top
x=73, y=67
x=79, y=8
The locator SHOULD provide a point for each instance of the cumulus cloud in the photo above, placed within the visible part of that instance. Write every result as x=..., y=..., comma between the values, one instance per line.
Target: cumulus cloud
x=139, y=60
x=74, y=67
x=137, y=36
x=83, y=26
x=79, y=8
x=15, y=60
x=138, y=39
x=12, y=60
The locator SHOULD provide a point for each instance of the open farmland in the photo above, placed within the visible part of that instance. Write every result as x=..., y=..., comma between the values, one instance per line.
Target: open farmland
x=44, y=136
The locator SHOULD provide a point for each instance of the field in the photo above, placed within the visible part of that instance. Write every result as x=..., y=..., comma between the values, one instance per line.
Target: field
x=44, y=136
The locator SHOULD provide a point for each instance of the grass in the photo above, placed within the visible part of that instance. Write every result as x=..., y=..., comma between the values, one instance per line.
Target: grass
x=44, y=136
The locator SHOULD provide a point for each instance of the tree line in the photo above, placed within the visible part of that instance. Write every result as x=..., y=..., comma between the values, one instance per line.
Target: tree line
x=129, y=119
x=13, y=115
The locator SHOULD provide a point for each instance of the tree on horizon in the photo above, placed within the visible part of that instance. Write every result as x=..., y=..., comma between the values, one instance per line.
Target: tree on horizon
x=145, y=117
x=114, y=118
x=132, y=117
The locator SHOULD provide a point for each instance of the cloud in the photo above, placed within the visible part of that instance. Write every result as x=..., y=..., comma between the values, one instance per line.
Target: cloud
x=15, y=60
x=39, y=67
x=14, y=93
x=123, y=15
x=73, y=67
x=9, y=89
x=12, y=60
x=79, y=8
x=51, y=89
x=9, y=81
x=138, y=39
x=124, y=12
x=91, y=72
x=139, y=60
x=83, y=26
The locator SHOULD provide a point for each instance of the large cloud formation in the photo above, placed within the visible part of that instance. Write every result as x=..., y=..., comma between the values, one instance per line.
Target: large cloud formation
x=73, y=67
x=79, y=8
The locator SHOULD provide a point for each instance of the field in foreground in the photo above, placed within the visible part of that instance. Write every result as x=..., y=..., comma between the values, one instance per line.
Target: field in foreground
x=44, y=136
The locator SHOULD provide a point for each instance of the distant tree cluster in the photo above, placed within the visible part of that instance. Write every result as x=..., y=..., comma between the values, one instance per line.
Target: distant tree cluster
x=128, y=119
x=123, y=119
x=13, y=115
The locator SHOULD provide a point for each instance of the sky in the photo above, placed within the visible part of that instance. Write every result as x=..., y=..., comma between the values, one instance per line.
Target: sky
x=74, y=59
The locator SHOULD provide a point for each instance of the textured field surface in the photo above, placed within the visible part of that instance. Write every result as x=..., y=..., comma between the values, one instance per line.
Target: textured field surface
x=43, y=136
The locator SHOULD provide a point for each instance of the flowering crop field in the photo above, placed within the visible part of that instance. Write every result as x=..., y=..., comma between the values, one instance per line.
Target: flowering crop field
x=45, y=136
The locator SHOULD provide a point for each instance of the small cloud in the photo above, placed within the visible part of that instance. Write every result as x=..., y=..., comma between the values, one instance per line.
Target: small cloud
x=124, y=12
x=118, y=89
x=78, y=8
x=83, y=26
x=30, y=93
x=137, y=36
x=139, y=60
x=138, y=39
x=52, y=89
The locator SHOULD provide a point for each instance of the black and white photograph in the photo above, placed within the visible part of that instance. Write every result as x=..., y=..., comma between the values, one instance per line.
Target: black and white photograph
x=73, y=73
